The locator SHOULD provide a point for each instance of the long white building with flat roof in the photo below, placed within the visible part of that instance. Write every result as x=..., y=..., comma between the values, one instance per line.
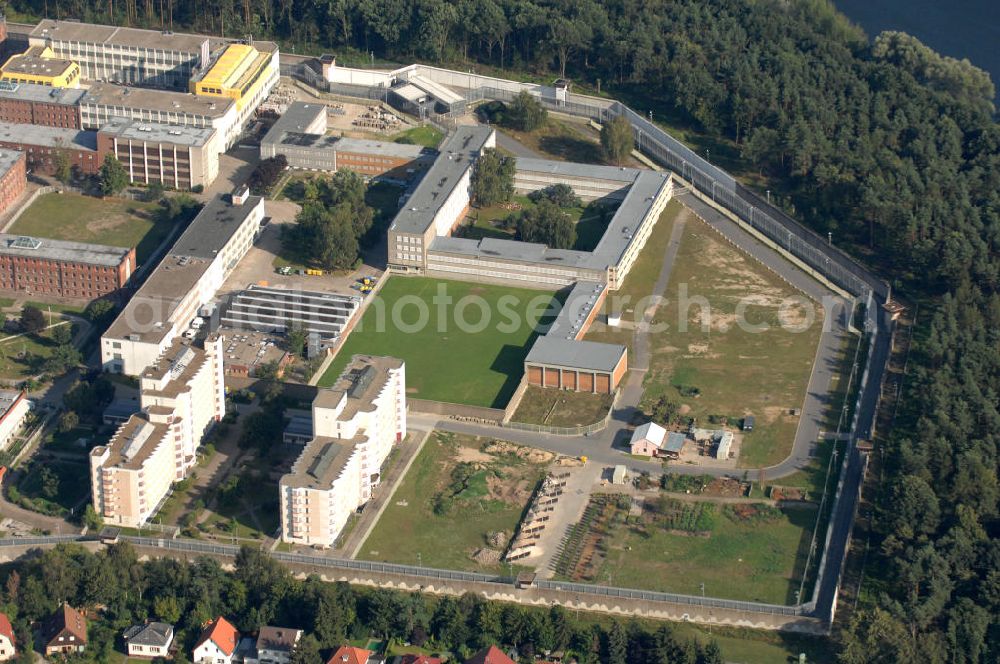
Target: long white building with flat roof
x=355, y=425
x=187, y=278
x=181, y=395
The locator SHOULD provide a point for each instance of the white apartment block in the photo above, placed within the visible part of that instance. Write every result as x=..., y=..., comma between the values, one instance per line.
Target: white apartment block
x=355, y=425
x=186, y=279
x=181, y=395
x=15, y=407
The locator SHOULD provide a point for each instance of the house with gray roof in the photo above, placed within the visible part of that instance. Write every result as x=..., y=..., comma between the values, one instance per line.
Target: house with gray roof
x=150, y=640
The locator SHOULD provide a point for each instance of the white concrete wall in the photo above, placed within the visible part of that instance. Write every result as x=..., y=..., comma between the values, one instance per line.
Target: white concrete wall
x=13, y=420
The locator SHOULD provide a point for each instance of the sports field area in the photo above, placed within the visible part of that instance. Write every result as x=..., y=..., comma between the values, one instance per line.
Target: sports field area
x=470, y=351
x=110, y=221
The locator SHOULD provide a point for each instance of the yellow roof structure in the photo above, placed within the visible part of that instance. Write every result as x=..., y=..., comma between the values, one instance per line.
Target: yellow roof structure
x=232, y=64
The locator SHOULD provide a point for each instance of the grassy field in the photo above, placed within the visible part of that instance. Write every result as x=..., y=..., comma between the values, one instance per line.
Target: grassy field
x=710, y=367
x=443, y=362
x=21, y=357
x=591, y=221
x=759, y=559
x=561, y=408
x=428, y=136
x=561, y=140
x=114, y=222
x=445, y=517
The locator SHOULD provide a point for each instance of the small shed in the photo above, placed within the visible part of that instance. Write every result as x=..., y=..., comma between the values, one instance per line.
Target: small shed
x=525, y=580
x=620, y=475
x=748, y=423
x=725, y=445
x=673, y=445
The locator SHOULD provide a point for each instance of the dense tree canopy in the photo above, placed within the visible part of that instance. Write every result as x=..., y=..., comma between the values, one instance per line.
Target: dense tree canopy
x=888, y=146
x=493, y=178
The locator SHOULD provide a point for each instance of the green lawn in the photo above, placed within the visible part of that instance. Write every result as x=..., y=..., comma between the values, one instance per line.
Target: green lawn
x=114, y=222
x=560, y=140
x=493, y=500
x=757, y=561
x=480, y=367
x=428, y=136
x=591, y=221
x=723, y=368
x=21, y=357
x=561, y=408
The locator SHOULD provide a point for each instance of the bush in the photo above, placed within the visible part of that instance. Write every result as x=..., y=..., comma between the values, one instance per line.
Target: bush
x=525, y=113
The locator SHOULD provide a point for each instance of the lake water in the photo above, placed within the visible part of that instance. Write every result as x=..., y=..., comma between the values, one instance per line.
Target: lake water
x=959, y=28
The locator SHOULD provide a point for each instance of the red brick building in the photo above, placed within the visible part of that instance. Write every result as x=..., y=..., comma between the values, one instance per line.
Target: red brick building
x=42, y=145
x=13, y=177
x=64, y=269
x=29, y=103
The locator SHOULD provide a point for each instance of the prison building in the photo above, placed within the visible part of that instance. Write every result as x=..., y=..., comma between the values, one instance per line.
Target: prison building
x=43, y=145
x=579, y=310
x=300, y=135
x=105, y=101
x=439, y=202
x=30, y=103
x=176, y=156
x=62, y=268
x=580, y=366
x=13, y=177
x=244, y=73
x=39, y=65
x=130, y=56
x=447, y=101
x=355, y=425
x=188, y=277
x=588, y=181
x=268, y=309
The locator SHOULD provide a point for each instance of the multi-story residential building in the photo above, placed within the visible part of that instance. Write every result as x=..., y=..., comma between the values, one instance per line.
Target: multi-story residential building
x=30, y=103
x=176, y=156
x=105, y=101
x=126, y=55
x=13, y=177
x=181, y=395
x=62, y=268
x=15, y=406
x=355, y=424
x=43, y=145
x=186, y=279
x=41, y=66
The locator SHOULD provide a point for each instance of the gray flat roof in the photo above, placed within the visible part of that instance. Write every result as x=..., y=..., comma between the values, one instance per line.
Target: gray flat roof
x=53, y=137
x=31, y=62
x=581, y=300
x=155, y=132
x=321, y=462
x=585, y=355
x=8, y=158
x=456, y=157
x=180, y=270
x=43, y=94
x=211, y=229
x=297, y=118
x=573, y=169
x=618, y=235
x=61, y=250
x=513, y=250
x=358, y=145
x=109, y=94
x=108, y=34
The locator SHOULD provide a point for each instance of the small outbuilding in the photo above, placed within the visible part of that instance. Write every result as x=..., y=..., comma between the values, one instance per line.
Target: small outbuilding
x=647, y=439
x=748, y=423
x=620, y=475
x=725, y=445
x=673, y=445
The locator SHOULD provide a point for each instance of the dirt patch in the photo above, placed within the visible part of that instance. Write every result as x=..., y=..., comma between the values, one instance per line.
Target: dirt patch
x=697, y=349
x=726, y=487
x=529, y=454
x=486, y=556
x=684, y=409
x=471, y=455
x=787, y=493
x=106, y=223
x=772, y=413
x=502, y=489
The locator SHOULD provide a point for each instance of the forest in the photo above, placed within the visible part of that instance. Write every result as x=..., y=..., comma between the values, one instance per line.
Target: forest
x=124, y=591
x=885, y=144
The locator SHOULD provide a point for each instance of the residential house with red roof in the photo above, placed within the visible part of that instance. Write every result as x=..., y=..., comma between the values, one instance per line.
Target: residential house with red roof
x=420, y=659
x=65, y=632
x=350, y=655
x=7, y=640
x=491, y=655
x=217, y=643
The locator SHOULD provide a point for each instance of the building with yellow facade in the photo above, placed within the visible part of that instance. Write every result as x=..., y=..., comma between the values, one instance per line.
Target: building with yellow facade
x=242, y=73
x=39, y=65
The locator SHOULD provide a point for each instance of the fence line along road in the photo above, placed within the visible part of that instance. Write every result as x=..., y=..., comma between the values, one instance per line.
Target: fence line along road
x=421, y=575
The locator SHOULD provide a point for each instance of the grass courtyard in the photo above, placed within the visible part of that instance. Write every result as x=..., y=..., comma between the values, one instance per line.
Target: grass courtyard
x=459, y=494
x=561, y=408
x=479, y=365
x=428, y=136
x=591, y=221
x=114, y=222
